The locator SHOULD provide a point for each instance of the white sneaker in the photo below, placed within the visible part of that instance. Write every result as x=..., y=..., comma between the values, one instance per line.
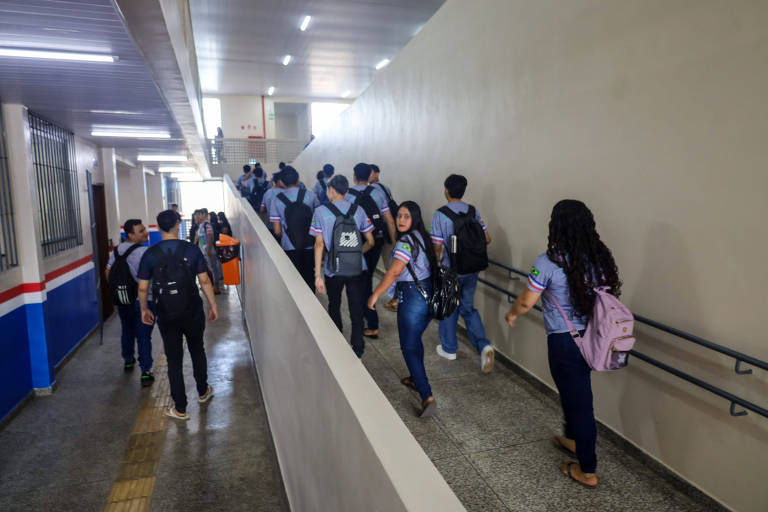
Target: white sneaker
x=443, y=353
x=486, y=359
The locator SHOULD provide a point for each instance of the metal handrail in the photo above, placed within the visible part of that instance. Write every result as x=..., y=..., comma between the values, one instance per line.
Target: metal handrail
x=740, y=357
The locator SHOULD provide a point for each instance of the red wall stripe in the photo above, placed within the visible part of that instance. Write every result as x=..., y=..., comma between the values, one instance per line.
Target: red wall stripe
x=66, y=268
x=38, y=287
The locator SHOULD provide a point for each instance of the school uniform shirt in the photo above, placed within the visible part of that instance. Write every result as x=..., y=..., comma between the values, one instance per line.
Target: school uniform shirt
x=277, y=212
x=547, y=275
x=379, y=185
x=378, y=197
x=318, y=188
x=247, y=184
x=322, y=225
x=133, y=259
x=441, y=229
x=269, y=195
x=205, y=237
x=404, y=251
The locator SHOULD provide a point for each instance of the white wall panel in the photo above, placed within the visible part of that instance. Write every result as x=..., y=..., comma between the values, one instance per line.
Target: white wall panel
x=654, y=113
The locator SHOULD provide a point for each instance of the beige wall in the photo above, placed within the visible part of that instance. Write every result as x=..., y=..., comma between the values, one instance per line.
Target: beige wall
x=652, y=112
x=340, y=444
x=132, y=193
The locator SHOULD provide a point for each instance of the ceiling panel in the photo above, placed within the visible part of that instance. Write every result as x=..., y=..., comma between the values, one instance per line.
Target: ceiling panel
x=67, y=92
x=241, y=43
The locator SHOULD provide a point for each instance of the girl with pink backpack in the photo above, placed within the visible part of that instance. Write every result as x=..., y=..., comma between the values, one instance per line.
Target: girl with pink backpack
x=587, y=327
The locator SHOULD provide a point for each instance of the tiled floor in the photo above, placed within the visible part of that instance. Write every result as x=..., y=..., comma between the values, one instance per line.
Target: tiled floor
x=64, y=452
x=491, y=437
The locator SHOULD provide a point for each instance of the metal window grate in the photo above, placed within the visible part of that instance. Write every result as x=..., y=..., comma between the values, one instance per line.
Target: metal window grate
x=56, y=174
x=8, y=251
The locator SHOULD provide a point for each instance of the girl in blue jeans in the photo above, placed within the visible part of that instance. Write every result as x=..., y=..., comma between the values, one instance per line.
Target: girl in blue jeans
x=575, y=262
x=410, y=277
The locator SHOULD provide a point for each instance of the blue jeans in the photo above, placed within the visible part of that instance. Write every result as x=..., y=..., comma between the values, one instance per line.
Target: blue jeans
x=412, y=320
x=466, y=309
x=371, y=260
x=136, y=331
x=572, y=378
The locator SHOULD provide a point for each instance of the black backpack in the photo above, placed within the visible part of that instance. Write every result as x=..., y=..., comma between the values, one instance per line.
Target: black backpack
x=124, y=287
x=298, y=217
x=390, y=203
x=366, y=201
x=346, y=251
x=471, y=250
x=324, y=195
x=257, y=194
x=446, y=289
x=173, y=284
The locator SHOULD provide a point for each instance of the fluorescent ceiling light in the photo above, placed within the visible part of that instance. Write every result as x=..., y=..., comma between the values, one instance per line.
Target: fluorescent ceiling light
x=346, y=93
x=382, y=64
x=271, y=90
x=305, y=23
x=162, y=158
x=178, y=170
x=56, y=55
x=131, y=135
x=286, y=60
x=119, y=112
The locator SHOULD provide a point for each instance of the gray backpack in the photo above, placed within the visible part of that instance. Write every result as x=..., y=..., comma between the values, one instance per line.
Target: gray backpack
x=346, y=251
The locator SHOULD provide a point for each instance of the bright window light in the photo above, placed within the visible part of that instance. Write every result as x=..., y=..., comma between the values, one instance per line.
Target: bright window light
x=187, y=177
x=55, y=55
x=271, y=91
x=178, y=169
x=162, y=158
x=212, y=116
x=384, y=63
x=286, y=60
x=305, y=23
x=346, y=93
x=131, y=135
x=324, y=114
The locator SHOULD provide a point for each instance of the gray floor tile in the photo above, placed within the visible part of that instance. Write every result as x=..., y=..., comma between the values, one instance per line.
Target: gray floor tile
x=469, y=485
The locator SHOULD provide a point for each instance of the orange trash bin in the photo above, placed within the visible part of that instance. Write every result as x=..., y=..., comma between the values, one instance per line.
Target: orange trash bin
x=228, y=252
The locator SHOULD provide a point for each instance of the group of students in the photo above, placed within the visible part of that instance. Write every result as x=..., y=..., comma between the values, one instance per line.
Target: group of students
x=204, y=232
x=157, y=284
x=353, y=226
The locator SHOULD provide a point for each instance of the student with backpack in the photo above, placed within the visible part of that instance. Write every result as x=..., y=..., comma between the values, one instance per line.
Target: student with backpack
x=410, y=278
x=374, y=204
x=260, y=188
x=577, y=275
x=245, y=182
x=460, y=238
x=388, y=246
x=121, y=273
x=291, y=218
x=321, y=187
x=342, y=229
x=172, y=265
x=206, y=241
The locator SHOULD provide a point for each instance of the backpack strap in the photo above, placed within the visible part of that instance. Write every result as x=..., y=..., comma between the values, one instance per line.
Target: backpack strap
x=367, y=191
x=416, y=281
x=324, y=185
x=384, y=190
x=574, y=332
x=126, y=253
x=452, y=215
x=471, y=212
x=281, y=196
x=334, y=210
x=300, y=197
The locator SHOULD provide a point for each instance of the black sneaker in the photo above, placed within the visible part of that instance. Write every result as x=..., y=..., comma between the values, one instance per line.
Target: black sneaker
x=129, y=366
x=147, y=379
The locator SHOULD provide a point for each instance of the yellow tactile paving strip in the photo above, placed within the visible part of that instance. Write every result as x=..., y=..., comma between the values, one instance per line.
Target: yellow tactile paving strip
x=132, y=490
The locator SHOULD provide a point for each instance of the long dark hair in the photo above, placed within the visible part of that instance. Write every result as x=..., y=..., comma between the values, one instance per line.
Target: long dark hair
x=575, y=246
x=417, y=226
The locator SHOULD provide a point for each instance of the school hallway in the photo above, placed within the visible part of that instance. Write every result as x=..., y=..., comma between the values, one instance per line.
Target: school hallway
x=101, y=442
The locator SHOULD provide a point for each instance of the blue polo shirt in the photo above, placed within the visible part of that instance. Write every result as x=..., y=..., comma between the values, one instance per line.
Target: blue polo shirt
x=277, y=212
x=378, y=197
x=547, y=275
x=442, y=227
x=323, y=221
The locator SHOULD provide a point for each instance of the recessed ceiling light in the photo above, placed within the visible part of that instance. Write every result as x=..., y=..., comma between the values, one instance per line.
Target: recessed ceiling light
x=56, y=55
x=177, y=170
x=162, y=158
x=286, y=60
x=271, y=91
x=305, y=23
x=131, y=135
x=382, y=64
x=346, y=93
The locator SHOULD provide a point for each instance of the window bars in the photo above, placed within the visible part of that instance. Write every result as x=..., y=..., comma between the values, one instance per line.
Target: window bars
x=8, y=252
x=53, y=151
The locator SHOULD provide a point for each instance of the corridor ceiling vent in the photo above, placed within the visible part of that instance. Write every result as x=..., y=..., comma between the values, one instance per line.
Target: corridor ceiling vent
x=382, y=64
x=286, y=60
x=271, y=90
x=305, y=23
x=26, y=53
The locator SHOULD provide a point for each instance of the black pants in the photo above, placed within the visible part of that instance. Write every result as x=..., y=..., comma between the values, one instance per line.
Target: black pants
x=355, y=291
x=304, y=261
x=172, y=332
x=371, y=260
x=572, y=378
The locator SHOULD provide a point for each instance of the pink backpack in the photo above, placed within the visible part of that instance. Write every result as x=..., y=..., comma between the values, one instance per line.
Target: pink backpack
x=608, y=337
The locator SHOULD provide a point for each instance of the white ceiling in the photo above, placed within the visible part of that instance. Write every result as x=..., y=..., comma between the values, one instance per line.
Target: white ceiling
x=67, y=92
x=240, y=43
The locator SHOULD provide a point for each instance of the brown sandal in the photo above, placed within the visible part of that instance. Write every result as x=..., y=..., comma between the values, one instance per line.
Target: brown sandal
x=428, y=408
x=408, y=382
